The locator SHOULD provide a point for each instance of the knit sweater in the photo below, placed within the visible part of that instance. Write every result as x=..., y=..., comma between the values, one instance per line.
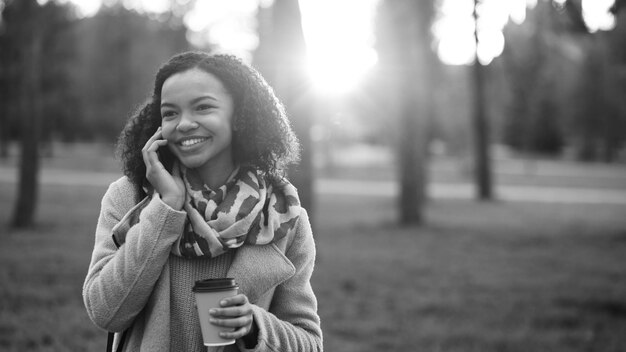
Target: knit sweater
x=132, y=287
x=186, y=334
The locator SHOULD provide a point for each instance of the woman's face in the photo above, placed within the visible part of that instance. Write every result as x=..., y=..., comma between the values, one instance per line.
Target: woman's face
x=197, y=113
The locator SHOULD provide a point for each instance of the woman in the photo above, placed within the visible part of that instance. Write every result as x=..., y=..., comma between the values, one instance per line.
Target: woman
x=204, y=196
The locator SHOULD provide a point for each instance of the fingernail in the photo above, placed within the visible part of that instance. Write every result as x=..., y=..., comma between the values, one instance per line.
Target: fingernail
x=211, y=320
x=212, y=311
x=224, y=302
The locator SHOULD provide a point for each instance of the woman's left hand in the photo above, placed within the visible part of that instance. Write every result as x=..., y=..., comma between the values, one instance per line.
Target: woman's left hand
x=235, y=312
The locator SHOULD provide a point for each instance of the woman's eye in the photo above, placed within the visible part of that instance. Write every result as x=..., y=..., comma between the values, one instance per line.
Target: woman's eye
x=203, y=107
x=168, y=113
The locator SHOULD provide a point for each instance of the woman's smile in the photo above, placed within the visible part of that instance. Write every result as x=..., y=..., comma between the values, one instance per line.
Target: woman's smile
x=190, y=143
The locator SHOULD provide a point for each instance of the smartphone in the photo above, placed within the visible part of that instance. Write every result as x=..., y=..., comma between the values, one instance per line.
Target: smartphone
x=166, y=157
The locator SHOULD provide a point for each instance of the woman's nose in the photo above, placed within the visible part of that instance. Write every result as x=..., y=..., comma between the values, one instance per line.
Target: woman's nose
x=186, y=123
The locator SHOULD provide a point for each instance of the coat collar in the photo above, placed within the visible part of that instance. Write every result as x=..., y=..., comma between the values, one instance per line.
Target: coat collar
x=259, y=268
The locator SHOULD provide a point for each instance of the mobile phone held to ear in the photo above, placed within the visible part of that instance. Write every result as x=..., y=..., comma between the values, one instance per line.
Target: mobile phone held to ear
x=166, y=157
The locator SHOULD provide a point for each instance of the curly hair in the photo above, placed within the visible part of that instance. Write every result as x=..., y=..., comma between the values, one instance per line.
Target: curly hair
x=262, y=135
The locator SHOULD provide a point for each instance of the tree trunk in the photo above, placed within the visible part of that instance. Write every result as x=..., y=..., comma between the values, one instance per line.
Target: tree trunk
x=30, y=106
x=6, y=68
x=412, y=164
x=280, y=58
x=482, y=166
x=4, y=127
x=408, y=66
x=416, y=100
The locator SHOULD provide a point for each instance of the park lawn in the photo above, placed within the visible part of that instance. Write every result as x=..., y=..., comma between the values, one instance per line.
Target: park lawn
x=42, y=271
x=477, y=277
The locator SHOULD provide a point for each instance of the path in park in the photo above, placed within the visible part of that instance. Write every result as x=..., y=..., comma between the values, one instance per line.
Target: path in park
x=328, y=186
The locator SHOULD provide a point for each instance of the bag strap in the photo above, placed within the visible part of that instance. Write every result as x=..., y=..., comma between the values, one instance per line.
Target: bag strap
x=110, y=339
x=110, y=342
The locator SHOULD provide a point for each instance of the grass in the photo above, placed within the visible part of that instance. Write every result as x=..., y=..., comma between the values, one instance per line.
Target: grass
x=42, y=270
x=477, y=277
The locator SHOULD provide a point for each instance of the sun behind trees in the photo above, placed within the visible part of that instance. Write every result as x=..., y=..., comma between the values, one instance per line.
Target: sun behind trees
x=556, y=90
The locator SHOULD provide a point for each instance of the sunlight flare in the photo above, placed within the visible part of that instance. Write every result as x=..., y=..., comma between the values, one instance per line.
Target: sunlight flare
x=597, y=15
x=454, y=27
x=339, y=38
x=339, y=33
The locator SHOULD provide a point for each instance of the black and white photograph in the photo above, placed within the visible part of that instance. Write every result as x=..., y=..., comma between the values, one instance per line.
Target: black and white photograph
x=313, y=175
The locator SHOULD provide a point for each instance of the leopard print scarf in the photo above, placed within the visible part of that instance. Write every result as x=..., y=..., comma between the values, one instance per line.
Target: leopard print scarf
x=246, y=209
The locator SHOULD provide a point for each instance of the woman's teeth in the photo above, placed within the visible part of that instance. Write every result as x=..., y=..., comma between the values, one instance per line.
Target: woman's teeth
x=193, y=141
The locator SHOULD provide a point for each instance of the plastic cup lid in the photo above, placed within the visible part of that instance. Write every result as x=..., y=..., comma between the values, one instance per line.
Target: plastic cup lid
x=214, y=284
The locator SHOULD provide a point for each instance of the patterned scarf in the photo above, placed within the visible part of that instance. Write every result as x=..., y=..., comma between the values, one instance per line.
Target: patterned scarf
x=246, y=209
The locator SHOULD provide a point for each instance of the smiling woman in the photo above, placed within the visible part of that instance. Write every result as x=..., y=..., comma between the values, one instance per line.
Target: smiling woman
x=205, y=196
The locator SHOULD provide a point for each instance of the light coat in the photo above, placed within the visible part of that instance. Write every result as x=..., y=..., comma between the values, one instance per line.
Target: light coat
x=129, y=287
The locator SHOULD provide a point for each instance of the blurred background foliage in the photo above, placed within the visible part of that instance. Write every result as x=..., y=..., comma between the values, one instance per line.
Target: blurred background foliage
x=555, y=81
x=556, y=90
x=93, y=69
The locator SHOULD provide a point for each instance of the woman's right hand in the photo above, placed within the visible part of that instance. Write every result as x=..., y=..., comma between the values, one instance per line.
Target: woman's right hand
x=170, y=187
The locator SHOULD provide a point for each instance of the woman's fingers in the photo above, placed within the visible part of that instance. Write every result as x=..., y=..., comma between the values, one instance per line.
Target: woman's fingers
x=241, y=321
x=236, y=313
x=170, y=187
x=234, y=306
x=236, y=300
x=156, y=145
x=148, y=148
x=157, y=135
x=231, y=311
x=151, y=152
x=241, y=326
x=237, y=334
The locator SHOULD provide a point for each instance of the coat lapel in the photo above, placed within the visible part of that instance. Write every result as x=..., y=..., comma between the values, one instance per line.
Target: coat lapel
x=257, y=269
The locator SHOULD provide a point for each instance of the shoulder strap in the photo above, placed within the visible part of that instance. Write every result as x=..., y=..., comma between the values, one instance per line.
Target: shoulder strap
x=110, y=342
x=110, y=339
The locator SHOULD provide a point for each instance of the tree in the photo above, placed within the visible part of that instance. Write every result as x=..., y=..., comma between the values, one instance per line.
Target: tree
x=539, y=73
x=407, y=64
x=599, y=123
x=29, y=63
x=482, y=166
x=281, y=57
x=566, y=92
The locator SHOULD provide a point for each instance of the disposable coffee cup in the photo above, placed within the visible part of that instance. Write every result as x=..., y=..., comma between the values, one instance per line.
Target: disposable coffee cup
x=208, y=294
